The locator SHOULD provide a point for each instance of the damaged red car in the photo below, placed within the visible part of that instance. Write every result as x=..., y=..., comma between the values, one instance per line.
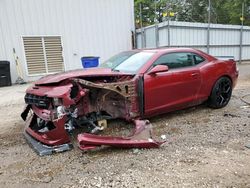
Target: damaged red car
x=133, y=85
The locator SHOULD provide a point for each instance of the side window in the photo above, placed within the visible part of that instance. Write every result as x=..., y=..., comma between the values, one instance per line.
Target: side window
x=198, y=59
x=176, y=60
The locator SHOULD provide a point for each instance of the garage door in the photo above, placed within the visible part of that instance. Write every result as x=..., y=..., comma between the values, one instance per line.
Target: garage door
x=43, y=54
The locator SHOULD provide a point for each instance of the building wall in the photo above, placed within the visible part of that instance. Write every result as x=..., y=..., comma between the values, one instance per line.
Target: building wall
x=87, y=28
x=224, y=40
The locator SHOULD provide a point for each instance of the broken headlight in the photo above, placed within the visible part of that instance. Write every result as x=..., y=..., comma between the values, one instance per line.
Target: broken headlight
x=39, y=101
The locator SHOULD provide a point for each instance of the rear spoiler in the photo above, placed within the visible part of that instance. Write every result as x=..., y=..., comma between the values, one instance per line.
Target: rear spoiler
x=225, y=57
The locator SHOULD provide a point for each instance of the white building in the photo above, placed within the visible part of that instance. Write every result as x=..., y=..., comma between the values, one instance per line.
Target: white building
x=52, y=35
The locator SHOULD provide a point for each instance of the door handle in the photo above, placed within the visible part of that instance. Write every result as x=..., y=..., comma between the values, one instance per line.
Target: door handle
x=195, y=74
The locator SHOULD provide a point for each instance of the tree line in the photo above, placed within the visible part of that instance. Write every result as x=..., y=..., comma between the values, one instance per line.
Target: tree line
x=148, y=12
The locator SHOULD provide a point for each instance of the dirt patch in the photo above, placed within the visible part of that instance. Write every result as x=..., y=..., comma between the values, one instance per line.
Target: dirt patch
x=206, y=149
x=12, y=137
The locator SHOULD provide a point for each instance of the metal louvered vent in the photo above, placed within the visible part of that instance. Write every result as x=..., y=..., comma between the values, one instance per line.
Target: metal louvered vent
x=43, y=54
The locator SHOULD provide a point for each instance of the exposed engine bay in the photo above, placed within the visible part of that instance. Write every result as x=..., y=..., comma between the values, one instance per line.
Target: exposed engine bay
x=55, y=110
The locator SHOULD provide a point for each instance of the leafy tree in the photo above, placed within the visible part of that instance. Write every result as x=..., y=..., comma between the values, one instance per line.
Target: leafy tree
x=234, y=9
x=222, y=11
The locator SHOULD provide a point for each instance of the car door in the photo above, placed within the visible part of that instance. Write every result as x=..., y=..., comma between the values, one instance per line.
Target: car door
x=174, y=89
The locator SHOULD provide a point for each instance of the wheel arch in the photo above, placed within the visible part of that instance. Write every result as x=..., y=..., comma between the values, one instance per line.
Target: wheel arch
x=221, y=76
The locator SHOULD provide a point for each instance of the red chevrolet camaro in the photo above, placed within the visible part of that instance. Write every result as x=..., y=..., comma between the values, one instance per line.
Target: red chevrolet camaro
x=132, y=85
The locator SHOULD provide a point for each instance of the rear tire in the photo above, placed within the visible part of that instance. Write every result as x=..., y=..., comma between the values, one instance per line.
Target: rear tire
x=221, y=93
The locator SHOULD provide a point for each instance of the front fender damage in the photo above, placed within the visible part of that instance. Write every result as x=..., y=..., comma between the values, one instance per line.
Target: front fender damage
x=87, y=105
x=140, y=138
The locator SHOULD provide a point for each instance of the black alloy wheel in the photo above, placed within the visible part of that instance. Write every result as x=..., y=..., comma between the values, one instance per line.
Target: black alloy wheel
x=221, y=93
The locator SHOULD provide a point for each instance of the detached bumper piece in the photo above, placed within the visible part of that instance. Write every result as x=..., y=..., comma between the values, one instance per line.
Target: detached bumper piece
x=140, y=138
x=42, y=149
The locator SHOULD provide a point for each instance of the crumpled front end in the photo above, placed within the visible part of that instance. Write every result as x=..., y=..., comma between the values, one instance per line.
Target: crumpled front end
x=54, y=112
x=47, y=120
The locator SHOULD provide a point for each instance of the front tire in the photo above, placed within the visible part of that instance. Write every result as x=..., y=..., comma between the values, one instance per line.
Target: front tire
x=221, y=93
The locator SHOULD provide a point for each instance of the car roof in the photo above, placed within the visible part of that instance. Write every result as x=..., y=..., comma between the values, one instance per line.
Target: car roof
x=163, y=50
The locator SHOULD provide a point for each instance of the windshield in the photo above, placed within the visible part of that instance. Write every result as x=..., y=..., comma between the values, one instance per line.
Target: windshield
x=129, y=62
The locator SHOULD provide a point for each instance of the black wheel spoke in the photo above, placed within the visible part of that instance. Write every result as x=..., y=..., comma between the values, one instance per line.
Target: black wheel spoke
x=228, y=89
x=222, y=99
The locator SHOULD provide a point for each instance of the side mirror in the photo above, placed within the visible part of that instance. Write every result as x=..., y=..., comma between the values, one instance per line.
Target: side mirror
x=158, y=68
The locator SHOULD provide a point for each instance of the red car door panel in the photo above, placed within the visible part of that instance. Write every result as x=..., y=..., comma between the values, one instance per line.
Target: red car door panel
x=157, y=91
x=187, y=86
x=171, y=90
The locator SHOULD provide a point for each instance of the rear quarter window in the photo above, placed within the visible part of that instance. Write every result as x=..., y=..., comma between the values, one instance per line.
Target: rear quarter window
x=198, y=59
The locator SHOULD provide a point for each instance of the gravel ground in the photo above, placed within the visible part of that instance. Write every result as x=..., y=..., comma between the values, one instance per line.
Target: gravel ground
x=206, y=149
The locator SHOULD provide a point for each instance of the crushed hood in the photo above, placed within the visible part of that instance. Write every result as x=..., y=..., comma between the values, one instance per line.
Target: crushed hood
x=92, y=72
